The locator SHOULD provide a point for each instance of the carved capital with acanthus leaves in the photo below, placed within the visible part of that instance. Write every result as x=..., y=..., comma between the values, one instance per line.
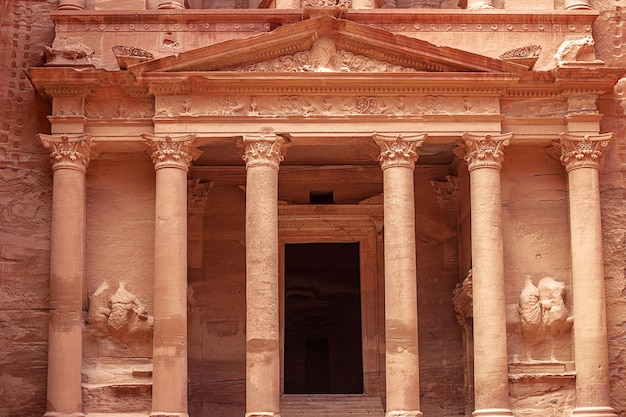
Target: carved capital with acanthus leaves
x=265, y=149
x=172, y=151
x=398, y=150
x=68, y=151
x=483, y=151
x=582, y=151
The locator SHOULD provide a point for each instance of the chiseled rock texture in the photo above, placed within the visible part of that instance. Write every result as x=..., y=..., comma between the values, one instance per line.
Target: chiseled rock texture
x=25, y=198
x=611, y=48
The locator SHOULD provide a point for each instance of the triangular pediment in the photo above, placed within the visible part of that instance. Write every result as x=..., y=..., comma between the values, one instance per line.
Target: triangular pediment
x=327, y=44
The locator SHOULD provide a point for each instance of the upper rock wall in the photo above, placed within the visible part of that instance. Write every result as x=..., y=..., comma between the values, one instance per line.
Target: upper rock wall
x=25, y=197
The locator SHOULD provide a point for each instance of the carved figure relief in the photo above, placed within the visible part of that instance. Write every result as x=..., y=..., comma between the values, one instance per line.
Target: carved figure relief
x=68, y=52
x=543, y=314
x=324, y=57
x=576, y=50
x=120, y=315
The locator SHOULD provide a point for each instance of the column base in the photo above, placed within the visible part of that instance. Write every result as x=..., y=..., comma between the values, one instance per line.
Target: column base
x=493, y=412
x=60, y=414
x=594, y=412
x=404, y=413
x=167, y=414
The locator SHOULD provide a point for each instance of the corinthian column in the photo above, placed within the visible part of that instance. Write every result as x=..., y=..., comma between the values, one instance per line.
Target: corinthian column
x=71, y=5
x=172, y=157
x=576, y=5
x=581, y=155
x=69, y=155
x=397, y=160
x=484, y=155
x=262, y=154
x=479, y=4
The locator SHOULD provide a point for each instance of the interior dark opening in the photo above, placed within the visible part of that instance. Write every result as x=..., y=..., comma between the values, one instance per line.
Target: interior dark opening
x=323, y=350
x=321, y=197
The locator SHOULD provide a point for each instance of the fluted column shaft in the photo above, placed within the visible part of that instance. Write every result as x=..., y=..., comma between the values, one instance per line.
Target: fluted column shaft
x=397, y=159
x=172, y=157
x=580, y=155
x=262, y=154
x=484, y=155
x=69, y=156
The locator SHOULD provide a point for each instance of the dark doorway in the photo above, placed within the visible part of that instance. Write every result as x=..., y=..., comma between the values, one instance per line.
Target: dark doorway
x=323, y=350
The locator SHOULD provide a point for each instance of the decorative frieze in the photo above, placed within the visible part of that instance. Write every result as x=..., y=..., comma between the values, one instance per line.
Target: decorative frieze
x=119, y=107
x=483, y=151
x=172, y=151
x=582, y=151
x=398, y=150
x=321, y=105
x=128, y=55
x=526, y=55
x=425, y=24
x=68, y=151
x=265, y=149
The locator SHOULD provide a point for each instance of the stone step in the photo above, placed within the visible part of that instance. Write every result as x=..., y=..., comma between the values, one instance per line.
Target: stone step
x=336, y=405
x=117, y=398
x=146, y=414
x=129, y=372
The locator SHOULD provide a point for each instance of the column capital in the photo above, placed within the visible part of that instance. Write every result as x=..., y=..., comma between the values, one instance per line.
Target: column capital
x=398, y=150
x=68, y=151
x=172, y=151
x=264, y=149
x=581, y=151
x=483, y=151
x=197, y=194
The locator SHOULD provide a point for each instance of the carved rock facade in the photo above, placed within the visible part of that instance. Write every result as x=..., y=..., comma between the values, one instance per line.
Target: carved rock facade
x=416, y=138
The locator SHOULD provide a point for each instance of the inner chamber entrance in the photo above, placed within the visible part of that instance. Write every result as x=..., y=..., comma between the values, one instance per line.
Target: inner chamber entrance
x=323, y=349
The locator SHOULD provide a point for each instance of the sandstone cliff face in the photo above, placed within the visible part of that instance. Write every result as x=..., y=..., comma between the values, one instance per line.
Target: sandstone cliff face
x=611, y=48
x=25, y=197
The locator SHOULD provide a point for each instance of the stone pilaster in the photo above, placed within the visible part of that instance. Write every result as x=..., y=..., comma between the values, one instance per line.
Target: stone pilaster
x=484, y=155
x=69, y=156
x=172, y=156
x=197, y=195
x=262, y=154
x=397, y=160
x=580, y=155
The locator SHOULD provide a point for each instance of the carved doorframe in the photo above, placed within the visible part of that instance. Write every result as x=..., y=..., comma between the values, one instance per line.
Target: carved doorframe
x=342, y=223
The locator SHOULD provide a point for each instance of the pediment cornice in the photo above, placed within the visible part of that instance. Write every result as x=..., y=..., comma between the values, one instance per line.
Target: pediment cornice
x=326, y=44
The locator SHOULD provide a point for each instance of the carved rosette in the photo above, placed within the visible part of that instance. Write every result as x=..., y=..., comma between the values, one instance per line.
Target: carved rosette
x=68, y=151
x=172, y=151
x=398, y=150
x=582, y=151
x=484, y=151
x=264, y=150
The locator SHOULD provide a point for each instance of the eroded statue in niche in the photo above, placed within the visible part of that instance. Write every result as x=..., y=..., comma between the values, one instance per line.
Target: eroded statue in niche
x=120, y=315
x=543, y=314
